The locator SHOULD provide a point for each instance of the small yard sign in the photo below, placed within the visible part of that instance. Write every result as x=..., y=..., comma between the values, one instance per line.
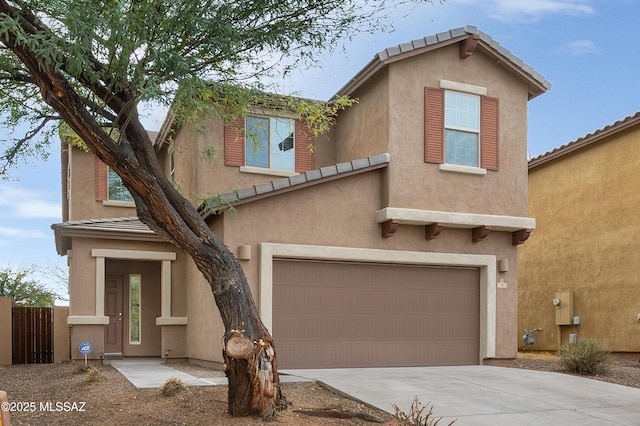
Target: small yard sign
x=85, y=349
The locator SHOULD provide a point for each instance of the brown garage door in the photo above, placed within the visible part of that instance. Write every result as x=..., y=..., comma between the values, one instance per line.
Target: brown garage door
x=345, y=314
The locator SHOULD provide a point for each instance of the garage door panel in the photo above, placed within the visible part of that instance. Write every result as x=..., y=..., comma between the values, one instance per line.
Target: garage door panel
x=333, y=314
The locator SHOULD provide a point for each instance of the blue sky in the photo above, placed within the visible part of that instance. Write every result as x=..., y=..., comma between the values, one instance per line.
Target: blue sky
x=585, y=48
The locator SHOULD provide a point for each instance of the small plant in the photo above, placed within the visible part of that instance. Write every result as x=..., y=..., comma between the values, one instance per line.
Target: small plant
x=586, y=357
x=173, y=386
x=416, y=415
x=93, y=375
x=81, y=369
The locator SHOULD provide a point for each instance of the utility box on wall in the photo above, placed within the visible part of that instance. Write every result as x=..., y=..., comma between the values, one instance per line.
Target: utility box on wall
x=564, y=310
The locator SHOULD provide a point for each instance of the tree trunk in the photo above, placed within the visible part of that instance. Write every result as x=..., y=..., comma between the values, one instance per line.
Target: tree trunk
x=249, y=353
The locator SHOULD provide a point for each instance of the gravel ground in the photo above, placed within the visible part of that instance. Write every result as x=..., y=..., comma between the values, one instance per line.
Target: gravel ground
x=48, y=394
x=619, y=369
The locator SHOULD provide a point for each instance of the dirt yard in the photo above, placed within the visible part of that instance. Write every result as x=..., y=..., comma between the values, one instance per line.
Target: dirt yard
x=49, y=394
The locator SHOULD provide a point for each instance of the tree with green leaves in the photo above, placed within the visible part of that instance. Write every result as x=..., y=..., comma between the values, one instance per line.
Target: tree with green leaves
x=17, y=285
x=91, y=63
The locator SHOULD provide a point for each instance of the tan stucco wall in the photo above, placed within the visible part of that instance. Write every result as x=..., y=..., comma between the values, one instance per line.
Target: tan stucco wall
x=365, y=125
x=82, y=184
x=5, y=331
x=307, y=220
x=503, y=192
x=199, y=176
x=61, y=342
x=586, y=205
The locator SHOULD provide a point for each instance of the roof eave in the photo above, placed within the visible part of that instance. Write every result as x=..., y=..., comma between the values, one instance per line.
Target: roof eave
x=584, y=141
x=536, y=83
x=64, y=234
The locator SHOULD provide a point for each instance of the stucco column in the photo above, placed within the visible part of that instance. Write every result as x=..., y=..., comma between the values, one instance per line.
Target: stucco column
x=165, y=284
x=100, y=276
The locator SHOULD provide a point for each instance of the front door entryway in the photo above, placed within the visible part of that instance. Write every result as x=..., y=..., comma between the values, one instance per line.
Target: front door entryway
x=114, y=309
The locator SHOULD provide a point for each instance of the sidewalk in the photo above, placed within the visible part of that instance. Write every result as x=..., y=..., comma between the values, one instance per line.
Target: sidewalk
x=153, y=373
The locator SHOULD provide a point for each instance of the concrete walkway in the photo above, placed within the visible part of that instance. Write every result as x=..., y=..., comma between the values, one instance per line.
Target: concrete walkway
x=153, y=373
x=472, y=395
x=485, y=395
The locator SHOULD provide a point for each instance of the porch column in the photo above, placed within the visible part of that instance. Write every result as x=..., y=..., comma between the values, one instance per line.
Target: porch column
x=165, y=285
x=100, y=275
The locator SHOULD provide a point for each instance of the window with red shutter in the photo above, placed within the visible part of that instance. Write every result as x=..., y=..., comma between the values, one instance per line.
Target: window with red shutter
x=101, y=181
x=274, y=143
x=461, y=129
x=109, y=186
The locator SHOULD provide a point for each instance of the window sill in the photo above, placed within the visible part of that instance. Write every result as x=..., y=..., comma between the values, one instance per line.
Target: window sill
x=265, y=171
x=114, y=203
x=455, y=168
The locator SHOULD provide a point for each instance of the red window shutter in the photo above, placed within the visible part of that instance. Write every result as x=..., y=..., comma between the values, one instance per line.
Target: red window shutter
x=489, y=133
x=101, y=181
x=234, y=143
x=304, y=142
x=433, y=125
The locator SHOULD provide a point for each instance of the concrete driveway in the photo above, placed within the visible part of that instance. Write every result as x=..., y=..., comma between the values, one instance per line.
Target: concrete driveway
x=487, y=395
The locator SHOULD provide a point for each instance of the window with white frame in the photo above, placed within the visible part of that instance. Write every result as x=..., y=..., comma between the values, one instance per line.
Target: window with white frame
x=135, y=295
x=116, y=191
x=270, y=142
x=462, y=128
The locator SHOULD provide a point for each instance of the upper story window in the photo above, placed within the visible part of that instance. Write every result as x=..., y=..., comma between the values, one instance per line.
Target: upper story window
x=461, y=128
x=276, y=145
x=109, y=187
x=270, y=142
x=116, y=190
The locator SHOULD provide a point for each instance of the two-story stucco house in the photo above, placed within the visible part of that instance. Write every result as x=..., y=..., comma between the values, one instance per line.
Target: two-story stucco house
x=394, y=244
x=579, y=272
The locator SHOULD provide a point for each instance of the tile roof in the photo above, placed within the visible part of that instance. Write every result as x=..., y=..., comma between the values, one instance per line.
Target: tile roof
x=131, y=228
x=589, y=138
x=298, y=181
x=538, y=84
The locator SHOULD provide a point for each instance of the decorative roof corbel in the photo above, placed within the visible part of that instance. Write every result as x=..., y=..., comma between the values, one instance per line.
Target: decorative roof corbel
x=520, y=236
x=480, y=233
x=432, y=230
x=389, y=227
x=468, y=45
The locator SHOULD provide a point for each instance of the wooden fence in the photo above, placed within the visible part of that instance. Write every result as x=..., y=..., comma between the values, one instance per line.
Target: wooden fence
x=32, y=335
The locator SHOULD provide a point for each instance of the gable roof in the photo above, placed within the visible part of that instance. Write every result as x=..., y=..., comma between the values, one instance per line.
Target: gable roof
x=588, y=139
x=132, y=229
x=536, y=83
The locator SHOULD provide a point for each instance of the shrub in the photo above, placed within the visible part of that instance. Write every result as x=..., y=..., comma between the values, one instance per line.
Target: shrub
x=93, y=375
x=416, y=415
x=173, y=386
x=583, y=357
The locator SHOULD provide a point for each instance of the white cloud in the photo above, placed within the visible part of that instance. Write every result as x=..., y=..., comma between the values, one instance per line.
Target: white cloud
x=531, y=10
x=583, y=47
x=28, y=204
x=21, y=233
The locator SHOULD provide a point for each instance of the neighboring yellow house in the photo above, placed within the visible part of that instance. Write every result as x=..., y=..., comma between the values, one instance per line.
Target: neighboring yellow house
x=394, y=244
x=585, y=252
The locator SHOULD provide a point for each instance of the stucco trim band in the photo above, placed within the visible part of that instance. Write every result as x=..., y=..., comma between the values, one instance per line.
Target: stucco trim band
x=486, y=264
x=455, y=219
x=87, y=320
x=171, y=321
